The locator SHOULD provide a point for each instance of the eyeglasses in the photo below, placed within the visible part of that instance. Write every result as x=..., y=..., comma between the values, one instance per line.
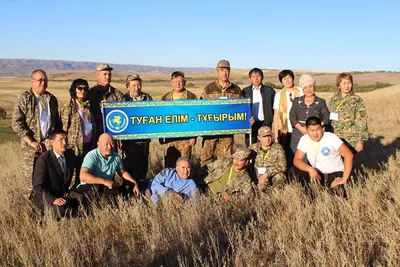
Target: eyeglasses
x=80, y=88
x=41, y=80
x=290, y=97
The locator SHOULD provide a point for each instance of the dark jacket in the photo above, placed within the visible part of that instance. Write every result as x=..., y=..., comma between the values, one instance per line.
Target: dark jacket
x=300, y=112
x=268, y=95
x=48, y=180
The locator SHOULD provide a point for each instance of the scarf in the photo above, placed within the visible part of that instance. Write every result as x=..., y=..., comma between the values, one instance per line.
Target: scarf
x=283, y=112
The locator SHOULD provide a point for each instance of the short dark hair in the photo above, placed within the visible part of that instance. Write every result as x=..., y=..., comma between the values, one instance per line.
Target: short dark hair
x=311, y=121
x=54, y=133
x=285, y=73
x=76, y=83
x=176, y=74
x=256, y=70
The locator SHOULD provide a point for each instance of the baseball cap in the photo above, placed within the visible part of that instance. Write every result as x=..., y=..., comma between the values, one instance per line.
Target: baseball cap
x=132, y=77
x=223, y=64
x=103, y=66
x=264, y=131
x=242, y=153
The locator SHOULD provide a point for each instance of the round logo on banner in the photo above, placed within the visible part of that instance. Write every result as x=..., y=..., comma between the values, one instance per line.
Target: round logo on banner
x=325, y=151
x=117, y=121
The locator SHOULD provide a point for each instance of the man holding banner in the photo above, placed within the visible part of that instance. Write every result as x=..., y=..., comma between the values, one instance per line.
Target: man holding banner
x=174, y=148
x=222, y=88
x=103, y=91
x=135, y=153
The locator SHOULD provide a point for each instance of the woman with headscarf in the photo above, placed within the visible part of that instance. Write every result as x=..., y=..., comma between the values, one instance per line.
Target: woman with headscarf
x=308, y=105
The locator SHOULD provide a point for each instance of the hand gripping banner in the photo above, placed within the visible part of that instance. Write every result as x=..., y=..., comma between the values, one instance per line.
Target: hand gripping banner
x=176, y=118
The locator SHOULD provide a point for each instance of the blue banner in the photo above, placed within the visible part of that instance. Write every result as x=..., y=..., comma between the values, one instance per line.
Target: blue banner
x=176, y=118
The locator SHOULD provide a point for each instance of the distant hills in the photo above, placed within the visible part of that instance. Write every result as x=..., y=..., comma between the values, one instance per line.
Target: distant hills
x=24, y=67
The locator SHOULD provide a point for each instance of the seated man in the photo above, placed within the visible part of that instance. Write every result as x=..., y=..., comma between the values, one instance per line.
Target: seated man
x=174, y=182
x=269, y=160
x=229, y=176
x=52, y=177
x=324, y=152
x=98, y=171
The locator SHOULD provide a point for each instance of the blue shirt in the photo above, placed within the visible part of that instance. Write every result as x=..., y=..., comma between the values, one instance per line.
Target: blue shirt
x=101, y=167
x=169, y=181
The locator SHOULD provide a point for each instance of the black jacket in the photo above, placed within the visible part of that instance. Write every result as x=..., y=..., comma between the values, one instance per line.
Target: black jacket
x=48, y=179
x=268, y=95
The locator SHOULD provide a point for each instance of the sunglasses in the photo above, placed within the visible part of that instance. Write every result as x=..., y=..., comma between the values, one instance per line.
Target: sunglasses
x=80, y=88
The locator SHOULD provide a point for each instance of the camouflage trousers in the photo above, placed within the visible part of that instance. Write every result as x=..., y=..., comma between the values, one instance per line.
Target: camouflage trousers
x=223, y=145
x=29, y=157
x=174, y=150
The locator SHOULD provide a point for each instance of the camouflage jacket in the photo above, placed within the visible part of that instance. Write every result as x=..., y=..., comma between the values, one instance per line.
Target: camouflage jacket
x=25, y=119
x=241, y=184
x=186, y=94
x=352, y=123
x=143, y=97
x=95, y=96
x=273, y=159
x=71, y=123
x=215, y=90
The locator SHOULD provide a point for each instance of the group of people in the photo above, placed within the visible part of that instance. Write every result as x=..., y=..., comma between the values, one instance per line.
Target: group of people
x=68, y=160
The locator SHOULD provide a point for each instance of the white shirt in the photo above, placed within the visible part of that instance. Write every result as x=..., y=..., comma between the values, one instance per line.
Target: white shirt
x=44, y=115
x=257, y=109
x=323, y=155
x=288, y=102
x=63, y=164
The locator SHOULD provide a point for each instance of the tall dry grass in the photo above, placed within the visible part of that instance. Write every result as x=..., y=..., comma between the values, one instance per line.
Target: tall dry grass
x=283, y=228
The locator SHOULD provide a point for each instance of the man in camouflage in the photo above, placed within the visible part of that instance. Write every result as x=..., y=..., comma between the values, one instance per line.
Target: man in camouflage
x=222, y=88
x=35, y=116
x=228, y=176
x=269, y=160
x=135, y=153
x=103, y=91
x=174, y=148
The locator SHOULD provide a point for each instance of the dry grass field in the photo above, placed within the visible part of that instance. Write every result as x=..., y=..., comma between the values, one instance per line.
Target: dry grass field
x=284, y=228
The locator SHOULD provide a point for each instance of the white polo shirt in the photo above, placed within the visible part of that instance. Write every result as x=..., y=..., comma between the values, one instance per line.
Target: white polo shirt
x=323, y=155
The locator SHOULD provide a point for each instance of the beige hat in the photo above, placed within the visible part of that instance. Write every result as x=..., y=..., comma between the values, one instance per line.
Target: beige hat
x=223, y=64
x=242, y=153
x=103, y=66
x=132, y=77
x=306, y=80
x=264, y=131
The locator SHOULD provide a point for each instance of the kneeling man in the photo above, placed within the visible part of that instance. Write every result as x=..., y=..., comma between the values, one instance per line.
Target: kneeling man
x=228, y=176
x=98, y=170
x=269, y=160
x=324, y=152
x=174, y=182
x=52, y=177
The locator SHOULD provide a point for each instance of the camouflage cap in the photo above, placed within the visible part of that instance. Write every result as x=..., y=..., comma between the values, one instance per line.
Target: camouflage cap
x=264, y=131
x=242, y=153
x=132, y=77
x=223, y=64
x=103, y=66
